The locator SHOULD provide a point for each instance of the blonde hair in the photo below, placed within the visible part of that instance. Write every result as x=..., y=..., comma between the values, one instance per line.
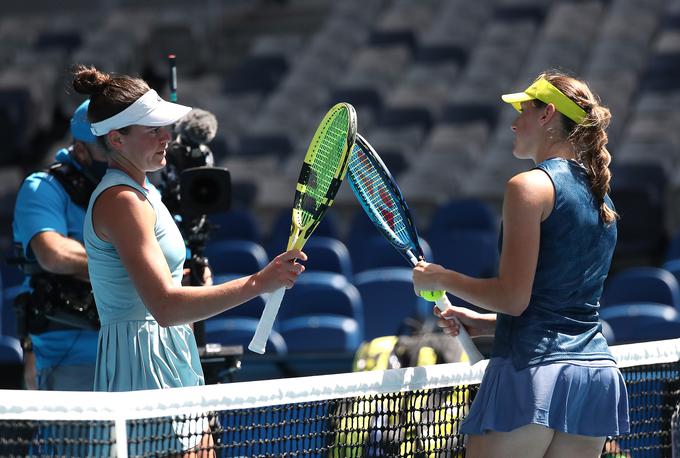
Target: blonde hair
x=589, y=137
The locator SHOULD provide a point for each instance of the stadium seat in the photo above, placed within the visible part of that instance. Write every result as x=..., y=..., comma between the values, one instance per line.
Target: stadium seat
x=323, y=333
x=639, y=322
x=235, y=257
x=322, y=293
x=235, y=224
x=11, y=363
x=374, y=252
x=16, y=117
x=608, y=332
x=327, y=254
x=673, y=266
x=370, y=250
x=11, y=281
x=641, y=284
x=673, y=250
x=389, y=301
x=463, y=214
x=638, y=191
x=470, y=252
x=278, y=239
x=400, y=117
x=260, y=73
x=265, y=144
x=10, y=351
x=239, y=331
x=250, y=309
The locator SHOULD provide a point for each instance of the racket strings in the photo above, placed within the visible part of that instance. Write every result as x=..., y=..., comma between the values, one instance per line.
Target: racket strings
x=320, y=180
x=379, y=198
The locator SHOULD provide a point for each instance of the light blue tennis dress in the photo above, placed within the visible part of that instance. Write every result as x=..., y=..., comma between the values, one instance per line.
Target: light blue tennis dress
x=134, y=351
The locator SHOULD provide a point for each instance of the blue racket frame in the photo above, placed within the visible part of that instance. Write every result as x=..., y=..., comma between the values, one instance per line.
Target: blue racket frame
x=378, y=193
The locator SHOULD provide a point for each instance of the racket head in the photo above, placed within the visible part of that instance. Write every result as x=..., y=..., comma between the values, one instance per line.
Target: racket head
x=323, y=170
x=380, y=197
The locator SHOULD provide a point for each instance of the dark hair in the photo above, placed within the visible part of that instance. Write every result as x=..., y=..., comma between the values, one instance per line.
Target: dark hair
x=589, y=137
x=109, y=94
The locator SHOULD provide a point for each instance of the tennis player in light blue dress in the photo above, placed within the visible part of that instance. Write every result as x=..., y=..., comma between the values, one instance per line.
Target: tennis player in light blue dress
x=551, y=387
x=136, y=252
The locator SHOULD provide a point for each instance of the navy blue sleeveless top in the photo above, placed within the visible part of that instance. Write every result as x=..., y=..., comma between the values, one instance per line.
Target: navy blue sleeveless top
x=575, y=252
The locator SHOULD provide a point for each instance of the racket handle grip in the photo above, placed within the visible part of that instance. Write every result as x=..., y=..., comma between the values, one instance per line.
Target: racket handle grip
x=473, y=354
x=266, y=323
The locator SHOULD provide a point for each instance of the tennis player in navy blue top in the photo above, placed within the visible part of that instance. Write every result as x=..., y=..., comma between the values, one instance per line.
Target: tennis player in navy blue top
x=551, y=388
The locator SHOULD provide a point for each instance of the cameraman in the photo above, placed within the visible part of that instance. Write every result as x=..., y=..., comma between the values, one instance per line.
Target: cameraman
x=48, y=228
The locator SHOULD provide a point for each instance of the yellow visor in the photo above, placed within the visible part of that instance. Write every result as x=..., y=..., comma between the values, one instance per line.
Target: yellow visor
x=542, y=90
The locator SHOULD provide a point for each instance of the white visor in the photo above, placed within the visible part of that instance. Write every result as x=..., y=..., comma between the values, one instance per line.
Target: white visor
x=148, y=110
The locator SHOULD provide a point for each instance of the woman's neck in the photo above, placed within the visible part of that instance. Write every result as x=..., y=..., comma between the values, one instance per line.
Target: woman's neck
x=120, y=162
x=562, y=149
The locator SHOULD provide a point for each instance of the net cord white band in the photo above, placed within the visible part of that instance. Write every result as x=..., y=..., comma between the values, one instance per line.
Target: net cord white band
x=39, y=405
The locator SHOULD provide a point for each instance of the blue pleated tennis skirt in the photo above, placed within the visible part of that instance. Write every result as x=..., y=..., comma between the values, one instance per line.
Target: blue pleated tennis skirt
x=587, y=398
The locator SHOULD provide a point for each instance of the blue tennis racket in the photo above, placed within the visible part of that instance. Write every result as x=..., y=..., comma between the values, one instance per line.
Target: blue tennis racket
x=381, y=199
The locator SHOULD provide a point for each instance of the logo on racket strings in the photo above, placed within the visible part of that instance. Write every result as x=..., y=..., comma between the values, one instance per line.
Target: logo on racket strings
x=373, y=188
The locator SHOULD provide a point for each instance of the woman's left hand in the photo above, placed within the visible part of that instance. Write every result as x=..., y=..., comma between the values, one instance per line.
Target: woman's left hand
x=427, y=277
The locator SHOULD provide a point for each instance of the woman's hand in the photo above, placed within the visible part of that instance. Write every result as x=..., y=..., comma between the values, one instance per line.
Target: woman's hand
x=282, y=271
x=426, y=277
x=476, y=324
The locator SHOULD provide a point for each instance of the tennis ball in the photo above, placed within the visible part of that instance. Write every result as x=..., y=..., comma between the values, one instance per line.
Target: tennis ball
x=432, y=296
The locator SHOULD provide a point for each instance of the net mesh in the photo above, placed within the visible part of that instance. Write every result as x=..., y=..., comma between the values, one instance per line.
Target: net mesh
x=413, y=412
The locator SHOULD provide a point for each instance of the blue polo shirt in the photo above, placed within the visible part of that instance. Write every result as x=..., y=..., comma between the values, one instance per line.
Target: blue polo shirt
x=43, y=205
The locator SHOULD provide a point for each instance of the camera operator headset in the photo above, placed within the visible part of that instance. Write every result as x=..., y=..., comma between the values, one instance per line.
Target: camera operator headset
x=57, y=319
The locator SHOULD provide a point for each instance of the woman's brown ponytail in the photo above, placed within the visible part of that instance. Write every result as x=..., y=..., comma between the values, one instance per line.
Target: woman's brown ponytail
x=589, y=138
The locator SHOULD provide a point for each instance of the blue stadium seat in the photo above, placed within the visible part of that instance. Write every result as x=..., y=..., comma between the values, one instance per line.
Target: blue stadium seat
x=369, y=249
x=260, y=74
x=11, y=283
x=389, y=301
x=639, y=191
x=242, y=257
x=322, y=293
x=250, y=309
x=235, y=224
x=641, y=284
x=17, y=121
x=471, y=252
x=10, y=351
x=640, y=322
x=11, y=364
x=673, y=250
x=239, y=331
x=278, y=239
x=327, y=254
x=673, y=266
x=265, y=144
x=374, y=252
x=463, y=214
x=608, y=332
x=309, y=334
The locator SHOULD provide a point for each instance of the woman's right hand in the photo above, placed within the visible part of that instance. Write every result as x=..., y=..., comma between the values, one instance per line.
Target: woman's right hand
x=282, y=271
x=476, y=324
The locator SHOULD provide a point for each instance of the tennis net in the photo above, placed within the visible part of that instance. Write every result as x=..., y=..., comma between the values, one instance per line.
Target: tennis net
x=412, y=412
